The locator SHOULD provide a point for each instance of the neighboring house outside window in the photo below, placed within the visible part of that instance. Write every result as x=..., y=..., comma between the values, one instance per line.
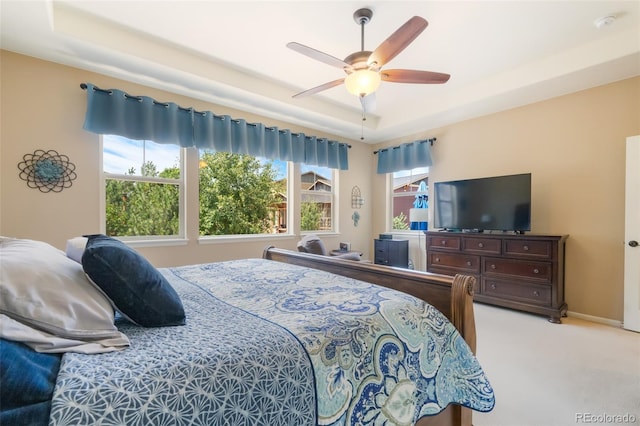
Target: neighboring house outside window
x=317, y=198
x=405, y=186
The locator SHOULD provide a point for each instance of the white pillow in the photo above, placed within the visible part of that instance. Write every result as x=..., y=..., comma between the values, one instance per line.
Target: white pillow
x=44, y=289
x=41, y=341
x=75, y=248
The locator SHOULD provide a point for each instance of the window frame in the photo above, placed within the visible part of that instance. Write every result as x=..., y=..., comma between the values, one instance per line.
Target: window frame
x=333, y=196
x=245, y=237
x=189, y=200
x=143, y=240
x=421, y=173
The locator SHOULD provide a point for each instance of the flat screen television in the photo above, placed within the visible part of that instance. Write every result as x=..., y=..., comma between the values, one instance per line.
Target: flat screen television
x=501, y=203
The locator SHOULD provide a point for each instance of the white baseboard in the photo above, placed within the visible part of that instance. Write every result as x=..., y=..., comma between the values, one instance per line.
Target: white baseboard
x=592, y=318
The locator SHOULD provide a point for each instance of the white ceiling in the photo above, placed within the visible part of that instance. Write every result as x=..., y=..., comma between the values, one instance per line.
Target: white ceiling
x=500, y=54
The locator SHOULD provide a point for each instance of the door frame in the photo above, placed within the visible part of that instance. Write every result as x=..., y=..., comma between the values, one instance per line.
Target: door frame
x=632, y=233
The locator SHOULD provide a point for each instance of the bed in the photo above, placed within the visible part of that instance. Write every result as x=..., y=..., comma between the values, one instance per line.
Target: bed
x=285, y=339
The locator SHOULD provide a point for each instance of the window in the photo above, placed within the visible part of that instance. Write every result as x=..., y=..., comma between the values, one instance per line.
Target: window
x=317, y=191
x=145, y=185
x=143, y=188
x=405, y=188
x=241, y=194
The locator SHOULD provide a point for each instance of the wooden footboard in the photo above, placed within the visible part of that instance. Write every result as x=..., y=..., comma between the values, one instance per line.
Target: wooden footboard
x=453, y=296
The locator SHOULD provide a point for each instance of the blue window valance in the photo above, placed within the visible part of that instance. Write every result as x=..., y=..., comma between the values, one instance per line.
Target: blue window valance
x=405, y=157
x=115, y=112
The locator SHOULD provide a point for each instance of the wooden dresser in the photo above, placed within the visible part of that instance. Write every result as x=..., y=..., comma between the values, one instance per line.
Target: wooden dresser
x=523, y=272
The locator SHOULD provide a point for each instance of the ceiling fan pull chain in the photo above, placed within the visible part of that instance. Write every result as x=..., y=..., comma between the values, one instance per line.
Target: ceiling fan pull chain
x=364, y=118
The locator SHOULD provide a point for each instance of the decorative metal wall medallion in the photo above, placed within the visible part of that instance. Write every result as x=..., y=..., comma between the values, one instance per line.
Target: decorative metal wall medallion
x=47, y=170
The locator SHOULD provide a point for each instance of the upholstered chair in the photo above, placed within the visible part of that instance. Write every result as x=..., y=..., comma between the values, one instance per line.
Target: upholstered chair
x=313, y=244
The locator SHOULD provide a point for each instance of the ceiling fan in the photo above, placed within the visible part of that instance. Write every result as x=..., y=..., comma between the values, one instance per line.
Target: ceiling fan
x=364, y=68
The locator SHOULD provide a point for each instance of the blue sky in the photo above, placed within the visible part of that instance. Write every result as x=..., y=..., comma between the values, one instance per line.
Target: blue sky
x=120, y=154
x=417, y=171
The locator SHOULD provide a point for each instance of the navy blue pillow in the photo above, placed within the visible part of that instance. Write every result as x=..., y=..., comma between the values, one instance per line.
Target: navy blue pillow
x=136, y=289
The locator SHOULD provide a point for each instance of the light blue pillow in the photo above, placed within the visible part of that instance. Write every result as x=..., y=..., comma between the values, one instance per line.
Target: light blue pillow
x=135, y=288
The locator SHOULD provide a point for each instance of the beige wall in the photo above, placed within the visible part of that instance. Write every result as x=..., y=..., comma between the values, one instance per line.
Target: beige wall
x=574, y=147
x=43, y=107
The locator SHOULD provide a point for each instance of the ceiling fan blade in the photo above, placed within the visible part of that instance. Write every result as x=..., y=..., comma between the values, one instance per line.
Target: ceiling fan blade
x=368, y=103
x=397, y=42
x=320, y=88
x=318, y=55
x=413, y=76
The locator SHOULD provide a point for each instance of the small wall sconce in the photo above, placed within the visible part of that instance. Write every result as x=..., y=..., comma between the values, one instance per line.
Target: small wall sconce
x=356, y=198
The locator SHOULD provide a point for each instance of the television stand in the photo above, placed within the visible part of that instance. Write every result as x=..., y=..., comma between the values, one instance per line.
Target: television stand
x=523, y=272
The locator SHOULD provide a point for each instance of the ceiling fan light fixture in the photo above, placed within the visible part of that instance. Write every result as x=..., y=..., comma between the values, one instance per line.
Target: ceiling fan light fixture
x=362, y=82
x=364, y=68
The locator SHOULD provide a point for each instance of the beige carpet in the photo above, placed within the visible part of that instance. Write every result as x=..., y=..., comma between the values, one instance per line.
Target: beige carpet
x=545, y=374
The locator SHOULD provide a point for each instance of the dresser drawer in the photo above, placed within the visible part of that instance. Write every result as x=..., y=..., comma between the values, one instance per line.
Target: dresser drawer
x=444, y=242
x=482, y=245
x=539, y=294
x=461, y=263
x=528, y=248
x=518, y=268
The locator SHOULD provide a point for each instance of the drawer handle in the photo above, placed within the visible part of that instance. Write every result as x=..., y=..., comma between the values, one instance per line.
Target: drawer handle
x=536, y=293
x=437, y=259
x=525, y=248
x=536, y=271
x=443, y=242
x=493, y=266
x=468, y=263
x=480, y=245
x=493, y=286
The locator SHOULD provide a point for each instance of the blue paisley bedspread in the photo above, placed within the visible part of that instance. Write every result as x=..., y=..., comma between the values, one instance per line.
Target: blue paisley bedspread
x=268, y=343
